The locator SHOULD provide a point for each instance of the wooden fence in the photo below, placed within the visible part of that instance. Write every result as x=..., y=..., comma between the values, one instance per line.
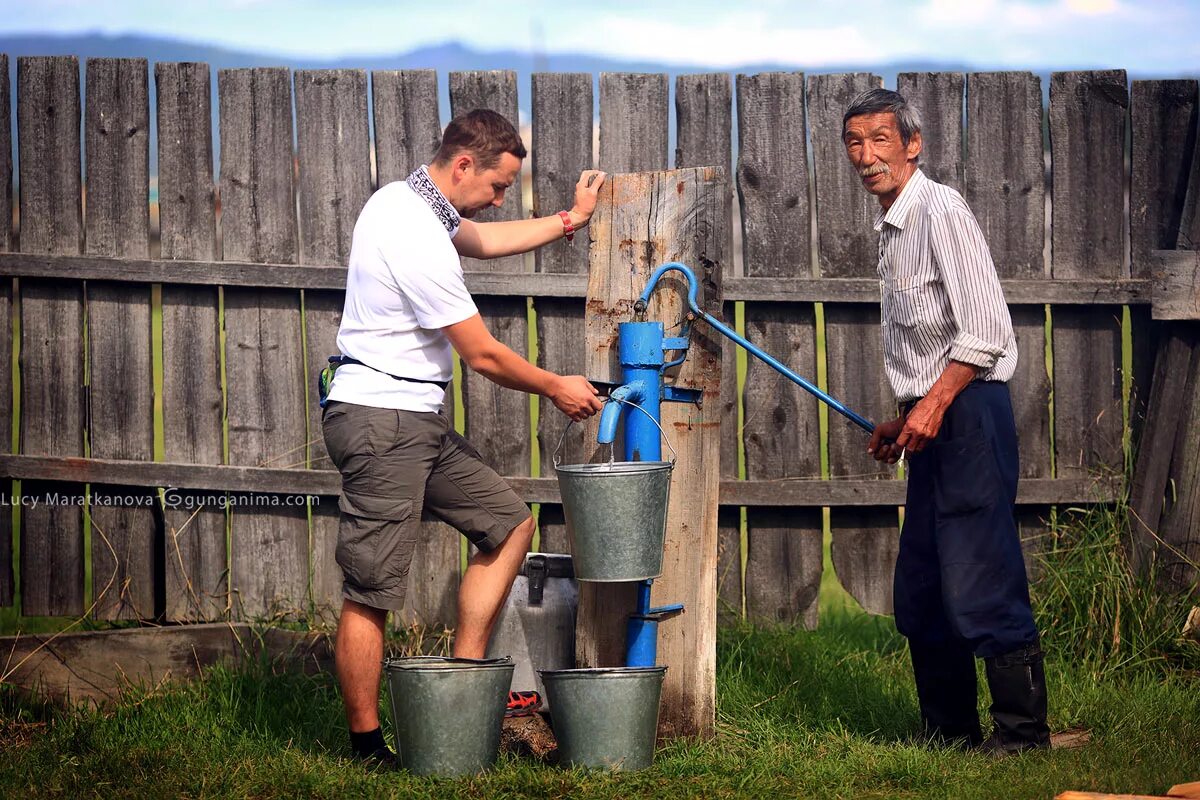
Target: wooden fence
x=240, y=306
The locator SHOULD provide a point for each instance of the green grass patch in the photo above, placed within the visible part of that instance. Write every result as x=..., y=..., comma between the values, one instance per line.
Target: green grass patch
x=824, y=713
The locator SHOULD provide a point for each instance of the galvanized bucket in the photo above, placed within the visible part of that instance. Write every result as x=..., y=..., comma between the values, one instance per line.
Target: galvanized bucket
x=447, y=712
x=605, y=718
x=616, y=518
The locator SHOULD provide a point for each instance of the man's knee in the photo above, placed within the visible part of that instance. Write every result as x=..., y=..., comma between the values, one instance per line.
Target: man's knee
x=523, y=532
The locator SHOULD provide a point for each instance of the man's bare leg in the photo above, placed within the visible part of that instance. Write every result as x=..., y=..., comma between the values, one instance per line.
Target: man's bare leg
x=488, y=578
x=359, y=655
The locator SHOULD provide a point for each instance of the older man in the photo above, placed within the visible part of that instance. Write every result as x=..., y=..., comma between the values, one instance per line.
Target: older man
x=406, y=308
x=949, y=349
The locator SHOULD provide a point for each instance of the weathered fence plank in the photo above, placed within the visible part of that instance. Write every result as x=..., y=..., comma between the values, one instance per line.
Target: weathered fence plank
x=1179, y=525
x=1004, y=185
x=1156, y=460
x=197, y=559
x=1189, y=221
x=628, y=143
x=1164, y=115
x=1163, y=128
x=704, y=108
x=407, y=134
x=781, y=429
x=939, y=97
x=644, y=220
x=562, y=148
x=1166, y=496
x=263, y=352
x=1005, y=189
x=7, y=584
x=127, y=545
x=864, y=542
x=52, y=402
x=633, y=122
x=407, y=130
x=1007, y=193
x=497, y=419
x=1087, y=137
x=334, y=166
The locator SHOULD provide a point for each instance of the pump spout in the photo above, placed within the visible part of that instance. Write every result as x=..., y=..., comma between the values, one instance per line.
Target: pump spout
x=634, y=392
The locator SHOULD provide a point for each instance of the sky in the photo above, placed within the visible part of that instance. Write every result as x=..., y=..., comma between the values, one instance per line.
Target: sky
x=1158, y=37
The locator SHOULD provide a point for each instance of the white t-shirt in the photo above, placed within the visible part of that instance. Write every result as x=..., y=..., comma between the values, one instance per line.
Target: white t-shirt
x=404, y=284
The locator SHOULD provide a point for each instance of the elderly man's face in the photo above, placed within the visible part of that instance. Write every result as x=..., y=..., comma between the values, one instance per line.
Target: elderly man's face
x=883, y=161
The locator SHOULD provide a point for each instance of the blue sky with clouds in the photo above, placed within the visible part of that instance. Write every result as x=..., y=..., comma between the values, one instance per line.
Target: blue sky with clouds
x=1160, y=36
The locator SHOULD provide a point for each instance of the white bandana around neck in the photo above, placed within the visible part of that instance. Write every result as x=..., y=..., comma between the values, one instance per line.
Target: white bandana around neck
x=420, y=182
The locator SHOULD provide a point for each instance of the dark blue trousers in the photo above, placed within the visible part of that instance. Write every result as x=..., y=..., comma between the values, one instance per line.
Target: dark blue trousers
x=960, y=578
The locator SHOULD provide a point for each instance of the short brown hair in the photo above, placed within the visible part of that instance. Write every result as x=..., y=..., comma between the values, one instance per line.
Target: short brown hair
x=484, y=134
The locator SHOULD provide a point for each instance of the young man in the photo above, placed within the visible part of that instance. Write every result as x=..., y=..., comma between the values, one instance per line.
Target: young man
x=406, y=308
x=949, y=350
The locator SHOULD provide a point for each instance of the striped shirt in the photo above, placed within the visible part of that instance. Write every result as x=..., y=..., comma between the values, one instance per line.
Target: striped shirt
x=941, y=297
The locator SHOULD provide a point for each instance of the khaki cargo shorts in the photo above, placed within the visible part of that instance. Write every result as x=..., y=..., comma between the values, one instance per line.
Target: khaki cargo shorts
x=397, y=466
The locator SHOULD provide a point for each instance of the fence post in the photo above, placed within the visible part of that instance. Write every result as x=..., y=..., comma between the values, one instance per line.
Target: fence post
x=643, y=220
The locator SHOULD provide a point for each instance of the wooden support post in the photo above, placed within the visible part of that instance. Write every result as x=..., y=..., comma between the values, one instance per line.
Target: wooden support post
x=644, y=220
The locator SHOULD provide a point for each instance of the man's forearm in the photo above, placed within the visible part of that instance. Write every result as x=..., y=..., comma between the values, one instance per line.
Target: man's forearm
x=950, y=383
x=503, y=366
x=497, y=239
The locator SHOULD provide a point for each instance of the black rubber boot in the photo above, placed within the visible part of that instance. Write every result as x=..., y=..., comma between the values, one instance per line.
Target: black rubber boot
x=1018, y=684
x=946, y=690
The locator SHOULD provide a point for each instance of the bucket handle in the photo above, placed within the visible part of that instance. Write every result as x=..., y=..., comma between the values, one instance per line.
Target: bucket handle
x=562, y=437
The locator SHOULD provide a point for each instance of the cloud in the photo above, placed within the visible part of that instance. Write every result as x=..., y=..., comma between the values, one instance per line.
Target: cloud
x=1091, y=7
x=721, y=41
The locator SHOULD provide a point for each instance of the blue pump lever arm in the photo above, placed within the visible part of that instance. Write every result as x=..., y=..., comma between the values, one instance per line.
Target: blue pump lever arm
x=693, y=290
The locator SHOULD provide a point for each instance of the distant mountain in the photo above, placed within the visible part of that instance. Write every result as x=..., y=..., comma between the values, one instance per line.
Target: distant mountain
x=444, y=58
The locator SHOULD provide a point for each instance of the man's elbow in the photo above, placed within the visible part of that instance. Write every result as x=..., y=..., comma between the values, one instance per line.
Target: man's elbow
x=482, y=360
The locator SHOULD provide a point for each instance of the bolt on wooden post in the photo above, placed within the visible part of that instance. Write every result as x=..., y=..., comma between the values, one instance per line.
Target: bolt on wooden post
x=644, y=220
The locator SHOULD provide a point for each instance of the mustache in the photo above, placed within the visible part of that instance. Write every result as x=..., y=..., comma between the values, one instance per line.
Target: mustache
x=874, y=169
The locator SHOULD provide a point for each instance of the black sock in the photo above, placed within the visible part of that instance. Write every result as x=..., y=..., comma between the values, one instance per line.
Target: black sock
x=367, y=743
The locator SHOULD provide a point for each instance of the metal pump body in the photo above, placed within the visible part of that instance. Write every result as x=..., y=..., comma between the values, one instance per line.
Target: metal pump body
x=642, y=347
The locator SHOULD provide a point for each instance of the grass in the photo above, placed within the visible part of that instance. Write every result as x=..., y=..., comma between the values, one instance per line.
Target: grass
x=825, y=713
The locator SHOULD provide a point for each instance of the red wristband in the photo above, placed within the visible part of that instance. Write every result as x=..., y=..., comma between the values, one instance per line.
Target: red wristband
x=568, y=228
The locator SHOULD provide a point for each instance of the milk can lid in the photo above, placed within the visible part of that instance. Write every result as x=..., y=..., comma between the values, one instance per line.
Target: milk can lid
x=551, y=565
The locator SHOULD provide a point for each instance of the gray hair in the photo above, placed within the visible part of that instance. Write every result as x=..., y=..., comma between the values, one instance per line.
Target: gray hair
x=885, y=101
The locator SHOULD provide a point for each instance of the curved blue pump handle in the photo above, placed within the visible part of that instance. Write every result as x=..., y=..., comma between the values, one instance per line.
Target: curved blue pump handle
x=693, y=291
